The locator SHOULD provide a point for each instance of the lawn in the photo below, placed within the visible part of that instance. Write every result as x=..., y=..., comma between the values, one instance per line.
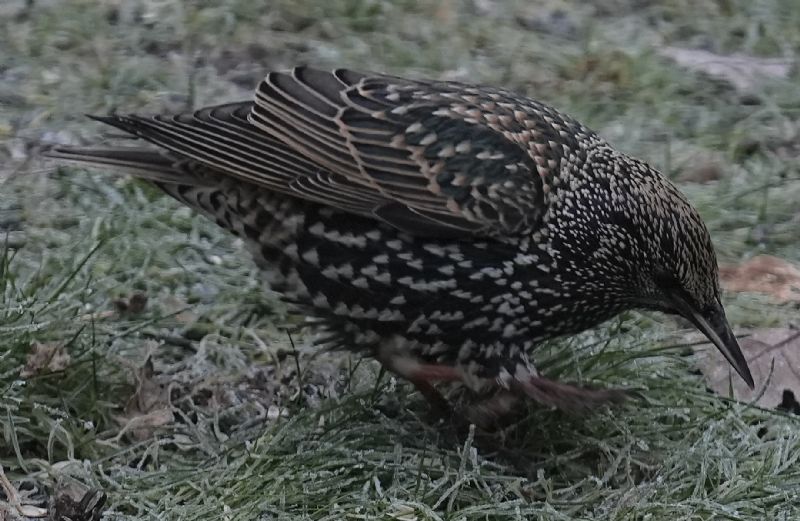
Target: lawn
x=144, y=370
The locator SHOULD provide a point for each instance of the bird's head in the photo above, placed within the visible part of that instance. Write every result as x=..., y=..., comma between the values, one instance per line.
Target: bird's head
x=653, y=243
x=684, y=280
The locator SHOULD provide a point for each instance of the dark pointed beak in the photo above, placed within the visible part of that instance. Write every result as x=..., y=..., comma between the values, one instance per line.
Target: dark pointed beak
x=714, y=325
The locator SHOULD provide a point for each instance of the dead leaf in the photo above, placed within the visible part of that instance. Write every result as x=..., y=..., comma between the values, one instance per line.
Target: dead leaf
x=133, y=305
x=766, y=350
x=764, y=274
x=149, y=408
x=74, y=502
x=45, y=358
x=742, y=71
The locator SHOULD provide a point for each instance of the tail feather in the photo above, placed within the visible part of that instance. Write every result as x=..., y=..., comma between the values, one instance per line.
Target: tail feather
x=141, y=162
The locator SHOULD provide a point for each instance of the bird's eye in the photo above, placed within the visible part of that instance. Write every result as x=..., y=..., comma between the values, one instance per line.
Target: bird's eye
x=674, y=289
x=666, y=281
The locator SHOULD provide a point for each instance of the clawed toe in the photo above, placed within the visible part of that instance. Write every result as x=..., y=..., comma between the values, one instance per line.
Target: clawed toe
x=568, y=397
x=492, y=412
x=500, y=408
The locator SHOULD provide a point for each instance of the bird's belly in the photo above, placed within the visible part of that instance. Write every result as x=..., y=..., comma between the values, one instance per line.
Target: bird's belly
x=443, y=300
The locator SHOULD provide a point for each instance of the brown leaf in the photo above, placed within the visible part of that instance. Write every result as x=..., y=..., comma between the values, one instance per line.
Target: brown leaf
x=764, y=274
x=75, y=502
x=148, y=408
x=133, y=305
x=776, y=350
x=45, y=358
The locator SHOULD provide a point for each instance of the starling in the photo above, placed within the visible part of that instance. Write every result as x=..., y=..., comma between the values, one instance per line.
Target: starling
x=442, y=228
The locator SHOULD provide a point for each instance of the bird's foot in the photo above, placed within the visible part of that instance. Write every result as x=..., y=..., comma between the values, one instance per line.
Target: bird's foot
x=440, y=407
x=494, y=412
x=568, y=397
x=497, y=409
x=424, y=376
x=503, y=407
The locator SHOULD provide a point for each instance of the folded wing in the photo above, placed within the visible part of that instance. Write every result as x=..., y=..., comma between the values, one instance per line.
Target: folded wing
x=430, y=158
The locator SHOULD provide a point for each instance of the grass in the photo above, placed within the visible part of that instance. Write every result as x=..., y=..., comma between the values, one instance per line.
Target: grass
x=201, y=407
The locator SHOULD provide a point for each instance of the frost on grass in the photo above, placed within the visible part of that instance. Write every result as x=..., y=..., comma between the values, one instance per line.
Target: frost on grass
x=195, y=404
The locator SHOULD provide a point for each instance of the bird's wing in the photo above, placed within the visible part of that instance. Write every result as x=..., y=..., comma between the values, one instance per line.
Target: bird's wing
x=430, y=158
x=473, y=159
x=221, y=141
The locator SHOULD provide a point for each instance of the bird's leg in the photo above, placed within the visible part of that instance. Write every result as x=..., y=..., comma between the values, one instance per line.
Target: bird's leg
x=567, y=397
x=438, y=403
x=435, y=373
x=423, y=376
x=526, y=383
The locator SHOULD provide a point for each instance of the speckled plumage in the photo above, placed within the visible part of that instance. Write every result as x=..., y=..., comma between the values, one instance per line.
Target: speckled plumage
x=442, y=228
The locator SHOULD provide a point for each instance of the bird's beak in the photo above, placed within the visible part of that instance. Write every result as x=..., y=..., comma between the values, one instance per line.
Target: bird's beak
x=715, y=327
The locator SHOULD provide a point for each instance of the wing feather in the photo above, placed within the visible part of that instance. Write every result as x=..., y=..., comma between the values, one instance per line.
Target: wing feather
x=430, y=158
x=417, y=143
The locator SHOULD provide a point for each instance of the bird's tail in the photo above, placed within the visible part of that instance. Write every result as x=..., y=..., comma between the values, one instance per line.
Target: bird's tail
x=142, y=162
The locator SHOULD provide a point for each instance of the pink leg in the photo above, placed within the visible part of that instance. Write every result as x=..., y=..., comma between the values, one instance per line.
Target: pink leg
x=423, y=376
x=568, y=397
x=436, y=373
x=547, y=392
x=491, y=412
x=438, y=403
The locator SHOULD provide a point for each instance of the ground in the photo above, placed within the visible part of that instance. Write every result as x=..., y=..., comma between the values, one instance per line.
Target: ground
x=143, y=368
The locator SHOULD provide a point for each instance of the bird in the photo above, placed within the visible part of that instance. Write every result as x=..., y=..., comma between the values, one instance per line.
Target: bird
x=442, y=228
